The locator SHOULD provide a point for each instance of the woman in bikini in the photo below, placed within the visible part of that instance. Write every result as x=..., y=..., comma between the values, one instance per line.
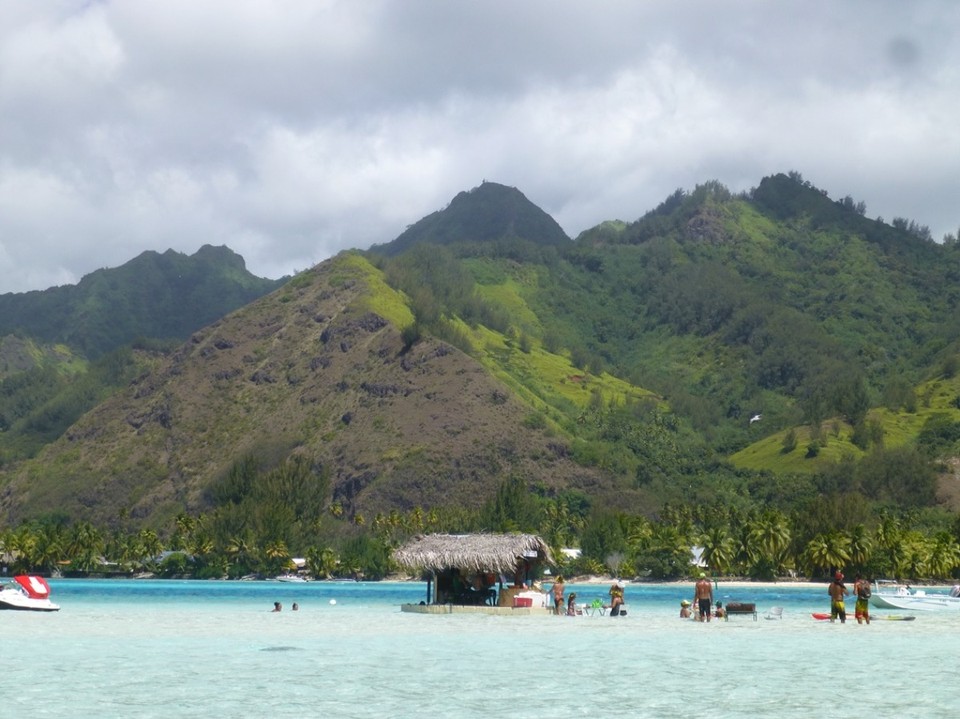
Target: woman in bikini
x=558, y=595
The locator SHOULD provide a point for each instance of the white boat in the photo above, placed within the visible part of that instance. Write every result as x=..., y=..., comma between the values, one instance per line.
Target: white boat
x=290, y=578
x=889, y=594
x=28, y=593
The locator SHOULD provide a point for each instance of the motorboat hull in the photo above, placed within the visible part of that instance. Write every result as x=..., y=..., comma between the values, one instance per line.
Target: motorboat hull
x=14, y=600
x=913, y=602
x=890, y=595
x=28, y=593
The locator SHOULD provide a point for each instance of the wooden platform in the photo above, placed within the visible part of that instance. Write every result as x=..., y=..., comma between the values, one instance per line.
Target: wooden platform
x=476, y=609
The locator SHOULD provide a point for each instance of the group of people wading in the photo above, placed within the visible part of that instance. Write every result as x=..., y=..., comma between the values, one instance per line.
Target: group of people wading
x=838, y=592
x=570, y=609
x=703, y=600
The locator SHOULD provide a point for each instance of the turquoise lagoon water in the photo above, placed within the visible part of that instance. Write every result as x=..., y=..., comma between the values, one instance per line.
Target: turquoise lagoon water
x=154, y=648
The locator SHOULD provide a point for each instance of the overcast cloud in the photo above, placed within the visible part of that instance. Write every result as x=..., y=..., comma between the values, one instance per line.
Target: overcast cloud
x=290, y=130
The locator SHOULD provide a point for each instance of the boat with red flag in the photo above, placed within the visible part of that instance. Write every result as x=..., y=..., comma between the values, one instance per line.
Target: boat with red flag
x=27, y=592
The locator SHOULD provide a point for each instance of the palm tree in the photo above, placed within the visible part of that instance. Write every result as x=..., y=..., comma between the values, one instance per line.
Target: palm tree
x=278, y=556
x=668, y=554
x=242, y=554
x=916, y=560
x=748, y=550
x=681, y=517
x=185, y=525
x=719, y=549
x=770, y=535
x=122, y=549
x=860, y=547
x=148, y=548
x=201, y=545
x=48, y=549
x=85, y=547
x=889, y=532
x=322, y=562
x=826, y=552
x=416, y=519
x=22, y=546
x=639, y=533
x=559, y=526
x=944, y=556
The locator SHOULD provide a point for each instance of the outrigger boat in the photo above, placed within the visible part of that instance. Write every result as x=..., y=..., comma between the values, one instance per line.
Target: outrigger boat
x=30, y=593
x=890, y=594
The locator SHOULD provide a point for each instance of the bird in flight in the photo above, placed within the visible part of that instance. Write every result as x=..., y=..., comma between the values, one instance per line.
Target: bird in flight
x=756, y=418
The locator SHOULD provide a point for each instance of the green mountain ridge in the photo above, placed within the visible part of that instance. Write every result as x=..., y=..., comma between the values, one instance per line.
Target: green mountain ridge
x=68, y=348
x=315, y=369
x=622, y=367
x=154, y=295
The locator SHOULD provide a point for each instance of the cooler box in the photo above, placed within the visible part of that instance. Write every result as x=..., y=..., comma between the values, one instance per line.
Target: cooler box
x=522, y=602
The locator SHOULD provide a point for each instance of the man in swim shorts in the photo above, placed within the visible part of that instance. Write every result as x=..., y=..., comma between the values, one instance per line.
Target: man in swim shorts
x=837, y=591
x=861, y=588
x=703, y=597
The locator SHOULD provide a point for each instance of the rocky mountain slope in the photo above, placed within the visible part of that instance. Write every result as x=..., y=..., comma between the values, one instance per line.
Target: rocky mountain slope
x=317, y=368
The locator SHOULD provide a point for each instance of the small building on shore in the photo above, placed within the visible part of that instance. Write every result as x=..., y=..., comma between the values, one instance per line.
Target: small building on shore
x=483, y=573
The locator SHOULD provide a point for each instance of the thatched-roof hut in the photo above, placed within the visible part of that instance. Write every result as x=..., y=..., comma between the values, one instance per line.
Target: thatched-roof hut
x=466, y=567
x=471, y=552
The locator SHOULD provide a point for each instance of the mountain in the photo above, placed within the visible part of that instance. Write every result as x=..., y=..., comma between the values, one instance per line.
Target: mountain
x=65, y=349
x=317, y=369
x=154, y=295
x=619, y=371
x=489, y=213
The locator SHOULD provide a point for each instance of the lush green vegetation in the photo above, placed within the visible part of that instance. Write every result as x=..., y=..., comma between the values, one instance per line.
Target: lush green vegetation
x=37, y=406
x=263, y=522
x=781, y=303
x=159, y=296
x=646, y=349
x=149, y=304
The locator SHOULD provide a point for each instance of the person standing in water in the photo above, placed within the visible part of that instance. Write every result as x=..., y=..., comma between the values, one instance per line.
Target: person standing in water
x=616, y=598
x=703, y=597
x=861, y=588
x=837, y=591
x=557, y=591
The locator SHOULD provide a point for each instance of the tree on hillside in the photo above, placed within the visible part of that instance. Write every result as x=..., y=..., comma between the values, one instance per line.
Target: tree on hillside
x=513, y=509
x=901, y=475
x=603, y=536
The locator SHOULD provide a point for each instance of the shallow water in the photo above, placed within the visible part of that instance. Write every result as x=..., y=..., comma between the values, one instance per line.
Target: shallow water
x=205, y=649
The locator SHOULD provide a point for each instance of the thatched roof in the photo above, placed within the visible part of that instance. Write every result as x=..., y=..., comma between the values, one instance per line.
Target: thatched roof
x=473, y=552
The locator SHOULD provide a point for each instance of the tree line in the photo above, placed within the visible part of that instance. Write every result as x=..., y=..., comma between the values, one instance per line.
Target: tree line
x=247, y=538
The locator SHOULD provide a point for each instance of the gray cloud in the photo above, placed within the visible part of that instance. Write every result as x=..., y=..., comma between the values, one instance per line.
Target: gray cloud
x=290, y=131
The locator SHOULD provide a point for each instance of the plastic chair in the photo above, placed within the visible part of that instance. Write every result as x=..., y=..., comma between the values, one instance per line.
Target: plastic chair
x=774, y=613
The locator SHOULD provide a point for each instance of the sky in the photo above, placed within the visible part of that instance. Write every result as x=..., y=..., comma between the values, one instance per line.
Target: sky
x=290, y=130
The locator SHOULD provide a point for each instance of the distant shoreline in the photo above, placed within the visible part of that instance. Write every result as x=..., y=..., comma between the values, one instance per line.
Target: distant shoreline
x=589, y=579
